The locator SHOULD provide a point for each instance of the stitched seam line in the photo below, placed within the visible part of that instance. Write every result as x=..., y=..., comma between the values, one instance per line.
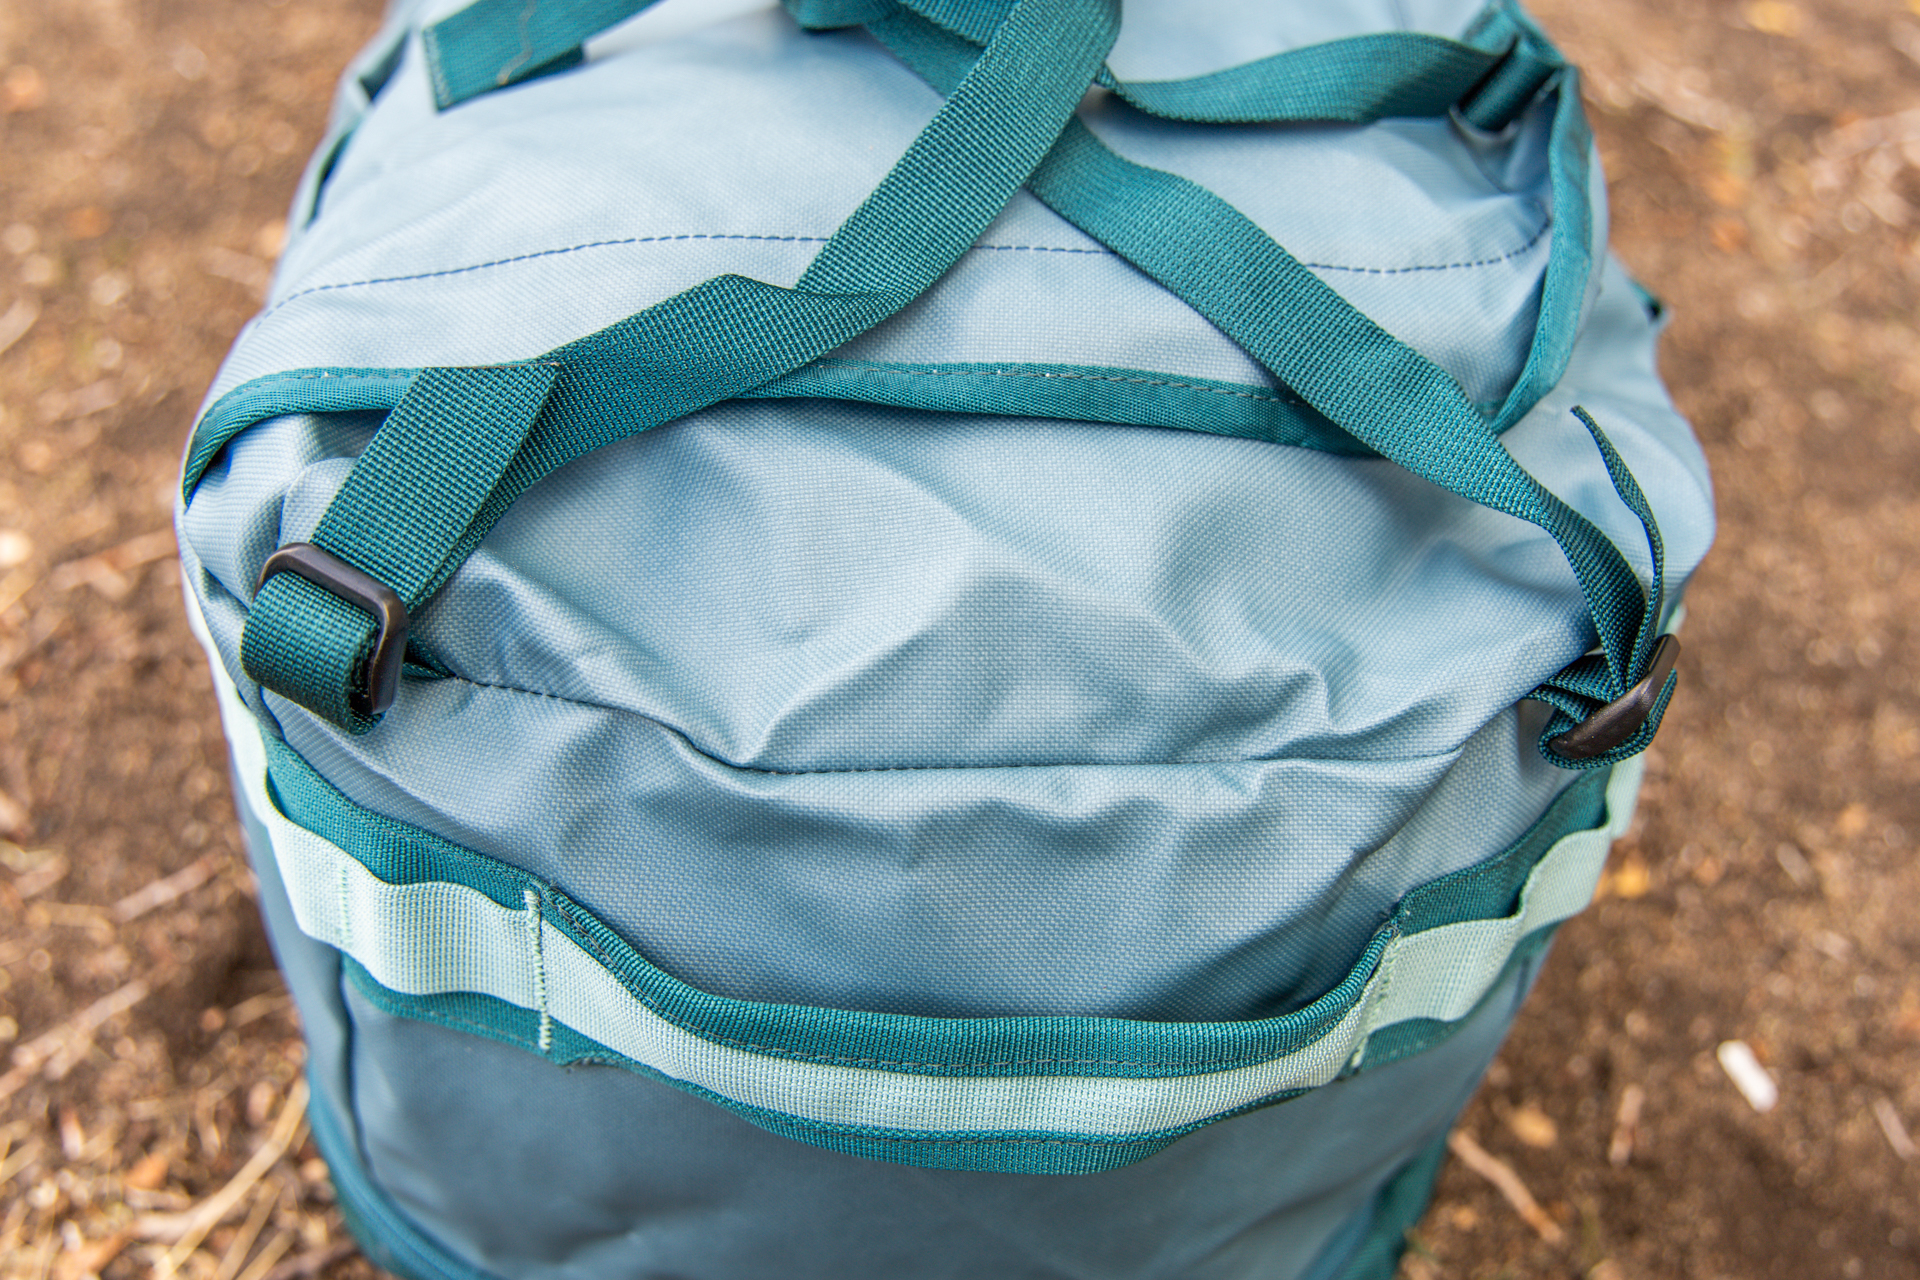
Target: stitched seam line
x=614, y=244
x=1447, y=266
x=1017, y=373
x=613, y=965
x=537, y=959
x=891, y=768
x=996, y=248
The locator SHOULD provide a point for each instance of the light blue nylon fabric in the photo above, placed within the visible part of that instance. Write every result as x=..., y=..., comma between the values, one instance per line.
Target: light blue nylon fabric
x=929, y=713
x=1278, y=657
x=1202, y=1209
x=435, y=218
x=513, y=1203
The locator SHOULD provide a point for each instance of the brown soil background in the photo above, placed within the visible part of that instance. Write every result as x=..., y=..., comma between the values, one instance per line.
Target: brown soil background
x=1765, y=166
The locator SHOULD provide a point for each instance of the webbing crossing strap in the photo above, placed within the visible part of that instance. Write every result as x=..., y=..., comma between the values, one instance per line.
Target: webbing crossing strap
x=464, y=443
x=1378, y=389
x=1498, y=65
x=1008, y=106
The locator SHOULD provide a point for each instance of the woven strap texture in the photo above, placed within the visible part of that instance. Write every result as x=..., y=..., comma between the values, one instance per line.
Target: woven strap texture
x=478, y=438
x=1007, y=121
x=1378, y=389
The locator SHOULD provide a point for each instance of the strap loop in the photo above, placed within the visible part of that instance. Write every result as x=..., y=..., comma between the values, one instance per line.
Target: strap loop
x=1527, y=65
x=380, y=682
x=1620, y=719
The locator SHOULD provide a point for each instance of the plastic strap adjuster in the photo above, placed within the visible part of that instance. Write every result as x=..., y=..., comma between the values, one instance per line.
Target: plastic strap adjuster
x=338, y=578
x=1620, y=719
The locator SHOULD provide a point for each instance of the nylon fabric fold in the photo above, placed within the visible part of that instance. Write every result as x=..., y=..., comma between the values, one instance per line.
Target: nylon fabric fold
x=439, y=933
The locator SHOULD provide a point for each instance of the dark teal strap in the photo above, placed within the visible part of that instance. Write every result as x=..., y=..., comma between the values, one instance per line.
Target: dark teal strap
x=1377, y=388
x=464, y=443
x=391, y=521
x=491, y=44
x=1499, y=65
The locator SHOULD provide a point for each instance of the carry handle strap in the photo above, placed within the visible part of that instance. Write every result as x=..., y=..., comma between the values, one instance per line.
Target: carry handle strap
x=1491, y=73
x=1380, y=390
x=462, y=444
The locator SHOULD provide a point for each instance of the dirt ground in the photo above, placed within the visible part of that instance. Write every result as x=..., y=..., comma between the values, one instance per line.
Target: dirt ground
x=1764, y=159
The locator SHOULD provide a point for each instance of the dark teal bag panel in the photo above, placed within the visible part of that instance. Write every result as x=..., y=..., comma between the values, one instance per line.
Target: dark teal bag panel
x=424, y=1198
x=523, y=1171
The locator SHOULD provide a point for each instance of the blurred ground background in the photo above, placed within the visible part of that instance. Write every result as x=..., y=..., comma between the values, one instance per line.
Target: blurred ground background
x=1764, y=158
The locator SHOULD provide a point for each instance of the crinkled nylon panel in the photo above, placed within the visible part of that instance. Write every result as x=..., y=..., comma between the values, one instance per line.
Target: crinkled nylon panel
x=694, y=617
x=471, y=236
x=435, y=937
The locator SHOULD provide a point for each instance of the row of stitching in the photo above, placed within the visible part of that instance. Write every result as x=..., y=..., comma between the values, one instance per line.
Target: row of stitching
x=1445, y=266
x=903, y=768
x=996, y=248
x=632, y=240
x=808, y=773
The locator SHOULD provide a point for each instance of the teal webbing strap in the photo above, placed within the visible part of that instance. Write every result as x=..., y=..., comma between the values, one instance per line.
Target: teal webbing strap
x=312, y=646
x=1490, y=74
x=1377, y=388
x=452, y=456
x=491, y=44
x=1355, y=80
x=1499, y=65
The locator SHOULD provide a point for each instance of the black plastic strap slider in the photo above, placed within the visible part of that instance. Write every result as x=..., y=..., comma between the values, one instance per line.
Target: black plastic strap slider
x=339, y=579
x=1620, y=719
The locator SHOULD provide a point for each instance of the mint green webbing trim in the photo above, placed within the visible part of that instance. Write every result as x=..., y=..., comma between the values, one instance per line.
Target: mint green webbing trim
x=464, y=443
x=430, y=921
x=1378, y=389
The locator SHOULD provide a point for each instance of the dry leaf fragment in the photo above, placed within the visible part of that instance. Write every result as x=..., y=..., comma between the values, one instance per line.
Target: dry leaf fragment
x=14, y=819
x=1632, y=879
x=89, y=1259
x=1729, y=234
x=14, y=325
x=1626, y=1126
x=23, y=89
x=1894, y=1128
x=1774, y=17
x=1533, y=1126
x=149, y=1172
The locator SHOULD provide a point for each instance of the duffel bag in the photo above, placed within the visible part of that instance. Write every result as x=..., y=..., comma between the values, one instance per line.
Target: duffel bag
x=911, y=638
